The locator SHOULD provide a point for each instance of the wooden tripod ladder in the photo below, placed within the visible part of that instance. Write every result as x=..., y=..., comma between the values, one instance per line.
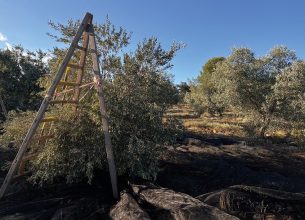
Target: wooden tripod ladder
x=86, y=32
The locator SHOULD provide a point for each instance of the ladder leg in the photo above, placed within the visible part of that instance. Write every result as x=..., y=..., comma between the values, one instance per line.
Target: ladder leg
x=23, y=147
x=80, y=72
x=97, y=78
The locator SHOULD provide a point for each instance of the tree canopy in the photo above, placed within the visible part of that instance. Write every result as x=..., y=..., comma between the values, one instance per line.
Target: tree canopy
x=20, y=73
x=265, y=88
x=204, y=96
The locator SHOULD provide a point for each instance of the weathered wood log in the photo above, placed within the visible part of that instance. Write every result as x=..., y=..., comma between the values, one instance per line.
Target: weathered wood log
x=128, y=209
x=250, y=201
x=181, y=206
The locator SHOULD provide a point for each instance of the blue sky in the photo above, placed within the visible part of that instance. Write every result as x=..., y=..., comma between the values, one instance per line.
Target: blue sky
x=208, y=27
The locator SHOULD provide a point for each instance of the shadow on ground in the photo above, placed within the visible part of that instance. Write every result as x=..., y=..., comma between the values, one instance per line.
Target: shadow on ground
x=203, y=164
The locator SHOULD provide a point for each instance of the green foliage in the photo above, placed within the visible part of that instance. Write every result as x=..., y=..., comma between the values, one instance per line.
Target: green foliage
x=137, y=99
x=246, y=82
x=20, y=71
x=208, y=69
x=183, y=88
x=73, y=154
x=16, y=127
x=289, y=92
x=204, y=96
x=110, y=42
x=196, y=99
x=267, y=90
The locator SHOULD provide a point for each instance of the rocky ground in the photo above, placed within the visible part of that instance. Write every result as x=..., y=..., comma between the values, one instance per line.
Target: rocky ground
x=207, y=176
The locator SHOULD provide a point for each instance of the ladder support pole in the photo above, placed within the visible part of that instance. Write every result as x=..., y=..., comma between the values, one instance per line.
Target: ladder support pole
x=45, y=103
x=98, y=86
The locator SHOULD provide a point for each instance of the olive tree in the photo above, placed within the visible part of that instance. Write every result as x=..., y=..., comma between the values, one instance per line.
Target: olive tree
x=196, y=99
x=204, y=95
x=246, y=82
x=138, y=90
x=289, y=93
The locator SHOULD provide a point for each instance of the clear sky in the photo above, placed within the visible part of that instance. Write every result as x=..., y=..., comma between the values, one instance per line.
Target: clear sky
x=208, y=27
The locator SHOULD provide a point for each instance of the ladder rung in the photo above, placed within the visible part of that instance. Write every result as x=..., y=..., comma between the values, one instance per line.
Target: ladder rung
x=41, y=138
x=64, y=102
x=68, y=83
x=48, y=119
x=80, y=48
x=75, y=66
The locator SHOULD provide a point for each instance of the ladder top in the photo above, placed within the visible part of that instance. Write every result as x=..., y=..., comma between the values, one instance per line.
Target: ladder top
x=88, y=16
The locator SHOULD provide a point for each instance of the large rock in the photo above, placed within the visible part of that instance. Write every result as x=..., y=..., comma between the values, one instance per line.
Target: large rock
x=128, y=209
x=180, y=206
x=251, y=202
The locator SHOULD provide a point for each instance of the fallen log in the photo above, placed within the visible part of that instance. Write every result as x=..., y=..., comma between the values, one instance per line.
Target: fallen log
x=181, y=206
x=250, y=202
x=128, y=209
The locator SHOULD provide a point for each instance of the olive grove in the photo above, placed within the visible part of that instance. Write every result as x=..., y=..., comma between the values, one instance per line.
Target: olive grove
x=267, y=89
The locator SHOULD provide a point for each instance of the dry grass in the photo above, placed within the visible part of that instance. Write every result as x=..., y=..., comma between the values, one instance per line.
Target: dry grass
x=229, y=124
